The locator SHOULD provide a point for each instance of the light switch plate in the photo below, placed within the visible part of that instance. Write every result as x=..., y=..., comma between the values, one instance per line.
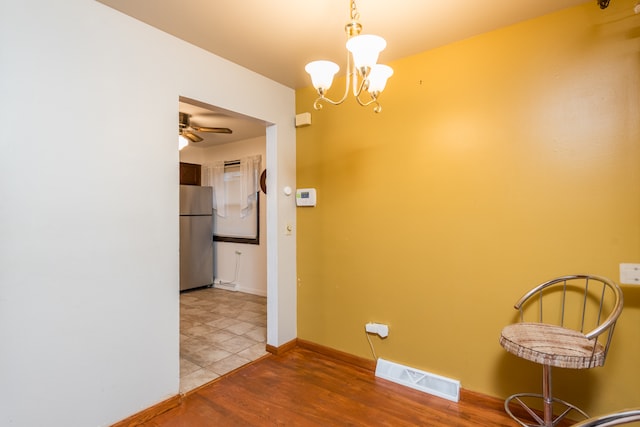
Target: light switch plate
x=630, y=274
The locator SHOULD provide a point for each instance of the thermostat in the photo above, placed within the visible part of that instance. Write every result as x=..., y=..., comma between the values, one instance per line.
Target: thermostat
x=306, y=197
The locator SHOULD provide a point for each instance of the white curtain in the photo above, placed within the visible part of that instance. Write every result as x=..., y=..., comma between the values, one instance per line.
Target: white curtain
x=250, y=168
x=214, y=177
x=249, y=182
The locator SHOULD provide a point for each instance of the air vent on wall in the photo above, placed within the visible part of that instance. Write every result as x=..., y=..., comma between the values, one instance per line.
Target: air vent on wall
x=419, y=380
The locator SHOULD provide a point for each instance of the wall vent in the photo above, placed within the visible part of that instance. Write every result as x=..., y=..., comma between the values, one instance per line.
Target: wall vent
x=229, y=286
x=419, y=380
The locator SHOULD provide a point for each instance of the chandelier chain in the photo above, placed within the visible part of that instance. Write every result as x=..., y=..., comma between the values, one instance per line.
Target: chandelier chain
x=355, y=16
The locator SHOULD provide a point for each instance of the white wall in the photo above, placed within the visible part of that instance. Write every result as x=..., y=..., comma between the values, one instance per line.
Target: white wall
x=88, y=208
x=252, y=263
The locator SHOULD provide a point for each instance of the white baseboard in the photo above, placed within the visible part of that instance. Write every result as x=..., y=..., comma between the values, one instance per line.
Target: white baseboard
x=237, y=287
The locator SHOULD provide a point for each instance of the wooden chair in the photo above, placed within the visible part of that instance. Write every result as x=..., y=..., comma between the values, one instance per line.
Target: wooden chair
x=567, y=322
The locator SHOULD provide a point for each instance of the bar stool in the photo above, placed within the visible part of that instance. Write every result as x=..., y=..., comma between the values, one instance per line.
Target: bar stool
x=566, y=322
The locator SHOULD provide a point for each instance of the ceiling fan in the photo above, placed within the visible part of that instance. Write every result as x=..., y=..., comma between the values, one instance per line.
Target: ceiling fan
x=187, y=129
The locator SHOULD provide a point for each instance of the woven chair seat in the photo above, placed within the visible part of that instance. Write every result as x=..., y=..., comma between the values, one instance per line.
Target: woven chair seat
x=552, y=345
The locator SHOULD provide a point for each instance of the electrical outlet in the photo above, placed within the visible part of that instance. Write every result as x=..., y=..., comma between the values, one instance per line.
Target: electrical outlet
x=630, y=274
x=377, y=328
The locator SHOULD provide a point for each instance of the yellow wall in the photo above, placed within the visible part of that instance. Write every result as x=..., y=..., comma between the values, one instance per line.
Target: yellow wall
x=498, y=162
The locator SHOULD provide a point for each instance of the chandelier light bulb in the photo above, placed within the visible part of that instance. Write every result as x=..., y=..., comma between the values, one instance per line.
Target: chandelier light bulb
x=378, y=78
x=322, y=73
x=365, y=50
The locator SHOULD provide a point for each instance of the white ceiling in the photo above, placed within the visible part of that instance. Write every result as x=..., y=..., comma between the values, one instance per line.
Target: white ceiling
x=276, y=38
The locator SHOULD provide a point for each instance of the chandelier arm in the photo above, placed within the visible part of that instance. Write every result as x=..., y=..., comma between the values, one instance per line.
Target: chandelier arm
x=374, y=101
x=357, y=84
x=363, y=85
x=317, y=103
x=348, y=81
x=322, y=98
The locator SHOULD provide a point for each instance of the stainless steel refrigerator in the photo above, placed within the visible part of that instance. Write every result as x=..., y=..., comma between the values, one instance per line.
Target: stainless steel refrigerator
x=196, y=237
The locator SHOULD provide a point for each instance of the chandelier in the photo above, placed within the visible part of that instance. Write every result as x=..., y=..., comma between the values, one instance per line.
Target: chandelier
x=363, y=73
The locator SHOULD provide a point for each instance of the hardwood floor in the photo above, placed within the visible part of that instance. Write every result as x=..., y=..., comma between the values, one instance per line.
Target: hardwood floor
x=305, y=388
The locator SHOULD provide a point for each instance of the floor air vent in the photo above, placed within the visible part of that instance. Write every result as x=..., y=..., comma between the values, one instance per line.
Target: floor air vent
x=419, y=380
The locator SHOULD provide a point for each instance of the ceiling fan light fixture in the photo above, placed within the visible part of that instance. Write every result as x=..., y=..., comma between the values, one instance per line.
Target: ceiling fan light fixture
x=182, y=142
x=362, y=56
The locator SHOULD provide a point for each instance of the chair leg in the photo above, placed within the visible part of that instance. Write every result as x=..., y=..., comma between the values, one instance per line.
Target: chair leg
x=522, y=400
x=547, y=395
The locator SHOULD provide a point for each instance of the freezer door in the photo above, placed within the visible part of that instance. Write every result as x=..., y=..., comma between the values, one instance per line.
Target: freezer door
x=196, y=251
x=195, y=200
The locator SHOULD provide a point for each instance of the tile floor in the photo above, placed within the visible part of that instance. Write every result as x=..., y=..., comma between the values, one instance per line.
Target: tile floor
x=220, y=331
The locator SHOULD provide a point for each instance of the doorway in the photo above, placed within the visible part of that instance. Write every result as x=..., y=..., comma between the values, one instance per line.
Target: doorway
x=224, y=327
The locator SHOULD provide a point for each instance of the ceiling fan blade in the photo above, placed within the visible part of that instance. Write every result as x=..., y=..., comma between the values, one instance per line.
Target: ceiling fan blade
x=191, y=136
x=213, y=130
